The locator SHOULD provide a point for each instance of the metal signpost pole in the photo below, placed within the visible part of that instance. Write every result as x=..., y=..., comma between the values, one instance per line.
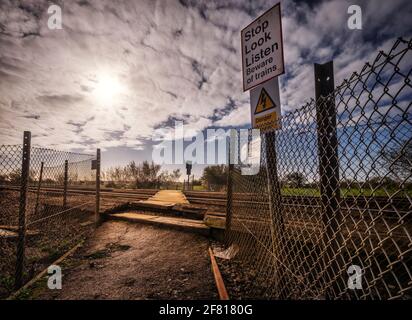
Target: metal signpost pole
x=25, y=172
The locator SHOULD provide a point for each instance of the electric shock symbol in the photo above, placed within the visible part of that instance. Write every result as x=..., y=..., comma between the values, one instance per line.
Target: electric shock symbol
x=265, y=102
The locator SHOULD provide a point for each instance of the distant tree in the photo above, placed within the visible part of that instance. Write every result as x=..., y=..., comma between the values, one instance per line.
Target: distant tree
x=295, y=179
x=132, y=172
x=14, y=177
x=149, y=176
x=197, y=182
x=169, y=180
x=144, y=175
x=398, y=159
x=175, y=175
x=381, y=181
x=116, y=174
x=347, y=183
x=71, y=177
x=48, y=181
x=214, y=176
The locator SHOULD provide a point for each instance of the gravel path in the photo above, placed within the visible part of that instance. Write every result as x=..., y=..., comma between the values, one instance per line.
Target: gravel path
x=131, y=261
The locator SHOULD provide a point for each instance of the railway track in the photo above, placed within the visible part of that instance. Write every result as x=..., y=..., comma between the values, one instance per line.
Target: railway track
x=218, y=199
x=375, y=202
x=126, y=195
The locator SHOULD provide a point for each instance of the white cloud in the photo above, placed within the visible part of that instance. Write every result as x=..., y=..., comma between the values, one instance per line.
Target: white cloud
x=179, y=59
x=237, y=117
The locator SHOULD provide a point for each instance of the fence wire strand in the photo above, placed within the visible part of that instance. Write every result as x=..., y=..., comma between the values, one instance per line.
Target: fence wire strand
x=60, y=208
x=295, y=240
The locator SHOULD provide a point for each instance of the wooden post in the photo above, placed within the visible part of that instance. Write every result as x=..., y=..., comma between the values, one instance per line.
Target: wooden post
x=221, y=289
x=25, y=172
x=97, y=211
x=38, y=188
x=66, y=179
x=328, y=161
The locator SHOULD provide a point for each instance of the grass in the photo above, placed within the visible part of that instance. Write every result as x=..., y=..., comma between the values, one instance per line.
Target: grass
x=199, y=188
x=34, y=291
x=25, y=294
x=7, y=283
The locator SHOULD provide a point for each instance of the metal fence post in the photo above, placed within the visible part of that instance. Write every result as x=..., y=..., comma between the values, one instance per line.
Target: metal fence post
x=66, y=178
x=25, y=172
x=275, y=205
x=229, y=194
x=328, y=161
x=38, y=188
x=97, y=211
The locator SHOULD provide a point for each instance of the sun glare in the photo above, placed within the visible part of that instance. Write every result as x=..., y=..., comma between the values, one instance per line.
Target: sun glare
x=107, y=89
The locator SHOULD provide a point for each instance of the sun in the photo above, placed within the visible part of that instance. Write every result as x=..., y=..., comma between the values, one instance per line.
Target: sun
x=107, y=89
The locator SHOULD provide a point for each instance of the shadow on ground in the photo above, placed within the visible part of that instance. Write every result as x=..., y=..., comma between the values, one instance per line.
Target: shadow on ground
x=132, y=261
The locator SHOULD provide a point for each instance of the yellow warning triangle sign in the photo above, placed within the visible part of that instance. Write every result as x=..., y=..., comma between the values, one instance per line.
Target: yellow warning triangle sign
x=265, y=102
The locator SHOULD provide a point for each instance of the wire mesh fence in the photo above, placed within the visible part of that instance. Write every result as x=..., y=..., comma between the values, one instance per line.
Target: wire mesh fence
x=47, y=205
x=329, y=213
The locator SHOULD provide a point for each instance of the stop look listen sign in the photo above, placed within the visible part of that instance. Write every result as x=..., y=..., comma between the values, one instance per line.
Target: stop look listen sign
x=262, y=49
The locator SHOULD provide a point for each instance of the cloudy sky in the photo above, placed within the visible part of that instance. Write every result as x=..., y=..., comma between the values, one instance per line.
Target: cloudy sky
x=118, y=70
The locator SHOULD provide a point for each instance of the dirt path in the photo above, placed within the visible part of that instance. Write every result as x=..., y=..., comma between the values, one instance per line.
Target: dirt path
x=131, y=261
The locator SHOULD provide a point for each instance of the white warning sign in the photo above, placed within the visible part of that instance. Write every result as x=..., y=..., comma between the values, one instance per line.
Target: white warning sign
x=262, y=49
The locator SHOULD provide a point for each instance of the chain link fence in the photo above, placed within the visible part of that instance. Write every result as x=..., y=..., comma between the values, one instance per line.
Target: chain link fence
x=328, y=216
x=47, y=205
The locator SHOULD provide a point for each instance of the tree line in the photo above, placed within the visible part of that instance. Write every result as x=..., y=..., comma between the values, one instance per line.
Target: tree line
x=146, y=175
x=396, y=159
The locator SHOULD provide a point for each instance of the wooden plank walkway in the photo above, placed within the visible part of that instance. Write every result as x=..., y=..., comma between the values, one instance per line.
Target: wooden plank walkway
x=167, y=202
x=165, y=199
x=191, y=225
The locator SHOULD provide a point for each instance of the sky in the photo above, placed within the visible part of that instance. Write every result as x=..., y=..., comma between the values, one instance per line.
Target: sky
x=118, y=71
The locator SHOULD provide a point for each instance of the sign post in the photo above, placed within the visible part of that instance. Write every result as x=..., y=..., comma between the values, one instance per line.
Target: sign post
x=188, y=172
x=262, y=63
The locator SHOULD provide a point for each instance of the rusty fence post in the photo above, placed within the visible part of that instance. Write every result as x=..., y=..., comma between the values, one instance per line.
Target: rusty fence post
x=65, y=182
x=229, y=196
x=38, y=188
x=328, y=166
x=276, y=212
x=233, y=158
x=97, y=210
x=25, y=172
